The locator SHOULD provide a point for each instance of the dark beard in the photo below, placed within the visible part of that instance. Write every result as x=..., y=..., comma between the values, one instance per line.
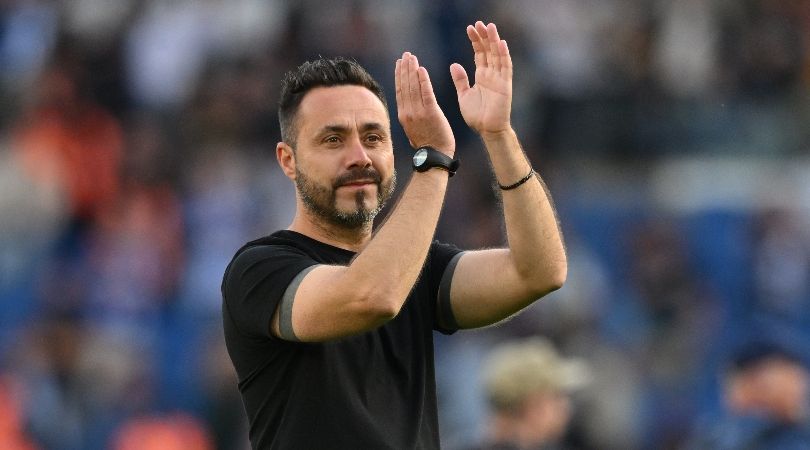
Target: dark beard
x=322, y=200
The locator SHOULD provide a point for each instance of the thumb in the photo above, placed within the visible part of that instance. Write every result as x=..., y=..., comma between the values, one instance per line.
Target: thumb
x=460, y=79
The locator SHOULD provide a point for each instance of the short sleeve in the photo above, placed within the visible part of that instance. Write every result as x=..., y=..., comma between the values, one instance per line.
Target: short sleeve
x=442, y=264
x=256, y=282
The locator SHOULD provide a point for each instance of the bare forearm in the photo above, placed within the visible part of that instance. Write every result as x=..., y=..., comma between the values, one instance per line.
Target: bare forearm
x=494, y=284
x=489, y=285
x=394, y=257
x=389, y=266
x=533, y=232
x=336, y=301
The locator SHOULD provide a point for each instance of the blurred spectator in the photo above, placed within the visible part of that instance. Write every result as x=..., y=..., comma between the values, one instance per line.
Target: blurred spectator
x=762, y=46
x=79, y=382
x=781, y=267
x=164, y=52
x=32, y=217
x=169, y=45
x=136, y=251
x=671, y=328
x=528, y=384
x=47, y=359
x=686, y=48
x=28, y=33
x=223, y=408
x=136, y=258
x=68, y=140
x=765, y=393
x=12, y=426
x=170, y=432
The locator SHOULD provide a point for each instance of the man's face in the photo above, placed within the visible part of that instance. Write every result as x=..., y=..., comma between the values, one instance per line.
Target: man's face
x=344, y=169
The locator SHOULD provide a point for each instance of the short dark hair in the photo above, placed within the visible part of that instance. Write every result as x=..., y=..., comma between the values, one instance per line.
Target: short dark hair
x=311, y=74
x=753, y=352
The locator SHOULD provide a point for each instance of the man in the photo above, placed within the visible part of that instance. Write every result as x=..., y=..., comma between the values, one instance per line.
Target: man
x=528, y=386
x=330, y=326
x=765, y=393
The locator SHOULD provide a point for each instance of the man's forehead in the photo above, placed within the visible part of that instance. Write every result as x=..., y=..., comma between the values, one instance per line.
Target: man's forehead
x=346, y=105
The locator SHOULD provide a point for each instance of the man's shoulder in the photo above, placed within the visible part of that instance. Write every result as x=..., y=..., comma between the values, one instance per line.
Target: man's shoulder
x=279, y=244
x=278, y=238
x=279, y=241
x=286, y=246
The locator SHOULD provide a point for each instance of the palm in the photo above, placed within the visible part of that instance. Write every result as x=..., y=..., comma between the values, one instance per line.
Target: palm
x=418, y=112
x=486, y=106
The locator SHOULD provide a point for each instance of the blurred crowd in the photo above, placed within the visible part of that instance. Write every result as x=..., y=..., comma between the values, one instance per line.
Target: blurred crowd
x=136, y=155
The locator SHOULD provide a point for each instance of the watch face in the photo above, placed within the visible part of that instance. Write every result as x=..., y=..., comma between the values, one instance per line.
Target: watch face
x=419, y=157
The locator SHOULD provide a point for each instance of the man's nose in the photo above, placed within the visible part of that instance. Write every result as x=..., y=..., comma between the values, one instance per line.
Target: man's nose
x=357, y=154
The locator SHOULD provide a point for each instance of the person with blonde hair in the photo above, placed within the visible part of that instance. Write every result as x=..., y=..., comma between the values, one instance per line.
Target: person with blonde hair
x=528, y=386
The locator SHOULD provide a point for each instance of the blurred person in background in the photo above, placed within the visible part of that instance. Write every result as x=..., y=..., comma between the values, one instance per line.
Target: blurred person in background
x=13, y=434
x=176, y=431
x=528, y=387
x=780, y=261
x=67, y=139
x=670, y=323
x=329, y=327
x=765, y=394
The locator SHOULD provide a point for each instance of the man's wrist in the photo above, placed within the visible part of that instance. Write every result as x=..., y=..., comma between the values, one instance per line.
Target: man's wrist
x=500, y=136
x=449, y=150
x=426, y=158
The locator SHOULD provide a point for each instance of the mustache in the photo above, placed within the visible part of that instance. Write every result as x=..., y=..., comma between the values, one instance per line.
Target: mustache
x=357, y=174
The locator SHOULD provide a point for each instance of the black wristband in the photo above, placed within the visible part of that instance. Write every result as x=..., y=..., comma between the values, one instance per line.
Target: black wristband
x=522, y=180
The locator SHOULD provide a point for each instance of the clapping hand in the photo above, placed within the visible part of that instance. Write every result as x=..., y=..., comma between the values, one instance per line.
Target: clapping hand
x=486, y=106
x=418, y=112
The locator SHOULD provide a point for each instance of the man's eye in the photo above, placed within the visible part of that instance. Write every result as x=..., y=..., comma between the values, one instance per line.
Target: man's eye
x=332, y=139
x=373, y=138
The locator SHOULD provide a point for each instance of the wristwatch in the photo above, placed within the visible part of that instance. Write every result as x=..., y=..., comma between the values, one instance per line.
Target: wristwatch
x=428, y=157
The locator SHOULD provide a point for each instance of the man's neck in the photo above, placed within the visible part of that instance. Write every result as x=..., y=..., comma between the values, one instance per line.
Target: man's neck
x=352, y=239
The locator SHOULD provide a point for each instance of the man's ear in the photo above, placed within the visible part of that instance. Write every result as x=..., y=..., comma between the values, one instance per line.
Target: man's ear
x=286, y=159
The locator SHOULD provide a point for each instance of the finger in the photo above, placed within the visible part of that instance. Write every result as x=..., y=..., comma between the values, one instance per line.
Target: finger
x=398, y=84
x=481, y=29
x=506, y=59
x=426, y=87
x=479, y=52
x=404, y=86
x=413, y=82
x=493, y=42
x=460, y=79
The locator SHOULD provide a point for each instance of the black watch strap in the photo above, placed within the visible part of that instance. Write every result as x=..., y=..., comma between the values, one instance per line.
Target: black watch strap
x=428, y=157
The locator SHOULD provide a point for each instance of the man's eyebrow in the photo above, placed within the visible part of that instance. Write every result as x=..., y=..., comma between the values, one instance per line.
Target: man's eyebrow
x=372, y=126
x=369, y=126
x=334, y=129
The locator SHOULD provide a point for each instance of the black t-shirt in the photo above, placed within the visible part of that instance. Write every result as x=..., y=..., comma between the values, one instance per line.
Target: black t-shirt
x=375, y=390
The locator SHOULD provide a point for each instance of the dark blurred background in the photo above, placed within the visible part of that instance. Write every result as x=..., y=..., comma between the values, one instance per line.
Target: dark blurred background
x=137, y=154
